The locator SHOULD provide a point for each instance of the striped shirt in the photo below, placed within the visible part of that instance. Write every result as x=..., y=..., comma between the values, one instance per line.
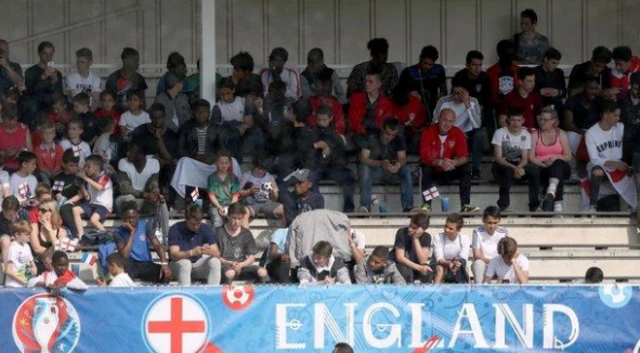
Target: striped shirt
x=202, y=139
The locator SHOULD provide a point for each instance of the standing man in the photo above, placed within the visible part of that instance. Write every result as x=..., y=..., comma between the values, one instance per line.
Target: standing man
x=530, y=45
x=43, y=80
x=379, y=51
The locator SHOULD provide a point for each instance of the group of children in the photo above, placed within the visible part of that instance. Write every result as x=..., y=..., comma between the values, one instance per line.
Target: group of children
x=21, y=270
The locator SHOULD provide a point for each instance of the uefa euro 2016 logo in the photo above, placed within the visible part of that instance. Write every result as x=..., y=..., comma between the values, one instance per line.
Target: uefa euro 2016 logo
x=46, y=324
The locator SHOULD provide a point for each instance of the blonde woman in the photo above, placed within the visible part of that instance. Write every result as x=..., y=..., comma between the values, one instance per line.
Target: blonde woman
x=50, y=227
x=551, y=153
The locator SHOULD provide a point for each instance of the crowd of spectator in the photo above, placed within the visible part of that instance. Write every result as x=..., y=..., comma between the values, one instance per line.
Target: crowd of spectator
x=72, y=150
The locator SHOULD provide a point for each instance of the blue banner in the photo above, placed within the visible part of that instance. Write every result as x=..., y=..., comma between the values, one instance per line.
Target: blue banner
x=246, y=319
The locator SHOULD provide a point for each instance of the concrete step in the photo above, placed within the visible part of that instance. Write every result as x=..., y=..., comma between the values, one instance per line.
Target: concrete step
x=482, y=195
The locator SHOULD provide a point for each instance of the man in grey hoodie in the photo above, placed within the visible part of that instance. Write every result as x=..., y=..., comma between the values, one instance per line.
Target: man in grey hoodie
x=378, y=269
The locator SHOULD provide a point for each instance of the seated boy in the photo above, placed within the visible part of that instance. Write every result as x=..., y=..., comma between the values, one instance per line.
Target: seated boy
x=260, y=192
x=115, y=263
x=48, y=153
x=81, y=105
x=238, y=248
x=329, y=157
x=411, y=250
x=133, y=240
x=321, y=267
x=20, y=265
x=302, y=199
x=74, y=142
x=22, y=182
x=378, y=269
x=57, y=274
x=9, y=214
x=66, y=183
x=451, y=252
x=96, y=201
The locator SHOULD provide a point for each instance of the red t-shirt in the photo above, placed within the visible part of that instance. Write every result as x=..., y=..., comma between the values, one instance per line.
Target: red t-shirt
x=530, y=107
x=50, y=159
x=15, y=141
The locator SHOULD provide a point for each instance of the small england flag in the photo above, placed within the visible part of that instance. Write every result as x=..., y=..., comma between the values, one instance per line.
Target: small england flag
x=430, y=193
x=89, y=259
x=66, y=244
x=58, y=185
x=195, y=194
x=23, y=189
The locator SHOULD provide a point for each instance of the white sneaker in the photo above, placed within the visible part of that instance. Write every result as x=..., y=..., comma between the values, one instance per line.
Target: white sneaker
x=551, y=192
x=557, y=206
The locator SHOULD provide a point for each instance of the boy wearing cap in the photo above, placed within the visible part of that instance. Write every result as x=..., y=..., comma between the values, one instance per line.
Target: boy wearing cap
x=302, y=199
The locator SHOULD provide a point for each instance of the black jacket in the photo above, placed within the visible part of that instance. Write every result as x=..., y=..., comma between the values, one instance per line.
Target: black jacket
x=188, y=146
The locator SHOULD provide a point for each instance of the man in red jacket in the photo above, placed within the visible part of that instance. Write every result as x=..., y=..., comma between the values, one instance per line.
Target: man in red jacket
x=444, y=156
x=367, y=110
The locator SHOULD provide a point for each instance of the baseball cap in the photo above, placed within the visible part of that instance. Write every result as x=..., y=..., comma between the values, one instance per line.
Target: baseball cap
x=298, y=176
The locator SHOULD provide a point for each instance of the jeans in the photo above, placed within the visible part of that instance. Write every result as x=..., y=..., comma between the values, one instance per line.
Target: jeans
x=343, y=176
x=596, y=182
x=206, y=268
x=560, y=170
x=476, y=147
x=463, y=173
x=410, y=275
x=368, y=175
x=504, y=177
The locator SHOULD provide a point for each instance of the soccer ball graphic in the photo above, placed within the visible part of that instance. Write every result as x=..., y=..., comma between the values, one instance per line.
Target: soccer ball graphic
x=238, y=297
x=615, y=295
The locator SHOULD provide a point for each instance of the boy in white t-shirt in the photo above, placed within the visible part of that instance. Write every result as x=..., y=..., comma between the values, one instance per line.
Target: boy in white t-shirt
x=484, y=242
x=511, y=145
x=115, y=264
x=451, y=252
x=20, y=266
x=135, y=116
x=510, y=266
x=84, y=80
x=96, y=200
x=74, y=142
x=22, y=182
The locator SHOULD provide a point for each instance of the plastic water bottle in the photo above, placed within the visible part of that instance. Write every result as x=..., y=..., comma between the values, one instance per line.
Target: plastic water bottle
x=382, y=207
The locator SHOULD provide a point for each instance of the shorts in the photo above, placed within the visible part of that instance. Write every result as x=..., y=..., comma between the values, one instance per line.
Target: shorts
x=90, y=209
x=267, y=208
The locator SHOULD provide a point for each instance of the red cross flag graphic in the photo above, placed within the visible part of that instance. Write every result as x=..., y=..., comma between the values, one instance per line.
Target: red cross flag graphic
x=176, y=324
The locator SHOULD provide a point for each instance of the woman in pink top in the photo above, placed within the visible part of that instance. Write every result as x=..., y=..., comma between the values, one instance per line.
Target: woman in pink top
x=551, y=153
x=14, y=137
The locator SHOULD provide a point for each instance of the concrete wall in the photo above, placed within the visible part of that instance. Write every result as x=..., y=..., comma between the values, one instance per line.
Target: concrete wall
x=340, y=27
